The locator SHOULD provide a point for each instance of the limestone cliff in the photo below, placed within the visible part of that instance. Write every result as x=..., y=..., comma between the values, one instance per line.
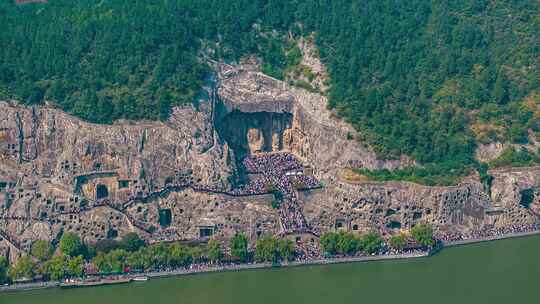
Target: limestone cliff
x=172, y=181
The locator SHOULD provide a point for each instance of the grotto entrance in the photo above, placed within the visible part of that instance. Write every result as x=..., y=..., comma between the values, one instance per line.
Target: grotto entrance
x=165, y=217
x=527, y=197
x=206, y=231
x=101, y=192
x=248, y=133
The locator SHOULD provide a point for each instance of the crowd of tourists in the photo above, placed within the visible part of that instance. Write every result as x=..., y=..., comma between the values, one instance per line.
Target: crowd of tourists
x=291, y=217
x=164, y=235
x=280, y=173
x=254, y=187
x=279, y=161
x=487, y=232
x=307, y=251
x=269, y=172
x=305, y=181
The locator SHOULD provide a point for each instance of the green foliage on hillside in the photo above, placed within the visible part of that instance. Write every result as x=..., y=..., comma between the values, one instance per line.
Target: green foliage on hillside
x=71, y=244
x=429, y=79
x=431, y=175
x=41, y=250
x=512, y=157
x=126, y=59
x=411, y=74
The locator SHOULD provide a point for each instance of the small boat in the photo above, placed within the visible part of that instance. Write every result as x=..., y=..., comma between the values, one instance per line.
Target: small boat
x=92, y=283
x=78, y=283
x=116, y=281
x=140, y=279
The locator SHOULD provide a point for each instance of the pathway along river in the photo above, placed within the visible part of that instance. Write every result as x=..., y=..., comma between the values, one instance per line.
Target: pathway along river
x=506, y=271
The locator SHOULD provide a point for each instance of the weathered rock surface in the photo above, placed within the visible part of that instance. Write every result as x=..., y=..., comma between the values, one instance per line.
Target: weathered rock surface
x=54, y=167
x=169, y=181
x=314, y=134
x=489, y=152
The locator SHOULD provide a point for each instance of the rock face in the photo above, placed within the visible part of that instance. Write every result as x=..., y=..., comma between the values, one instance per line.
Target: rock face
x=172, y=181
x=254, y=132
x=59, y=173
x=489, y=152
x=312, y=132
x=390, y=207
x=311, y=59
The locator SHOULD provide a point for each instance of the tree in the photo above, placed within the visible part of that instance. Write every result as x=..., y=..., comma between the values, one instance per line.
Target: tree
x=518, y=133
x=347, y=243
x=500, y=91
x=371, y=242
x=164, y=106
x=107, y=245
x=75, y=266
x=131, y=242
x=41, y=249
x=117, y=260
x=196, y=254
x=114, y=261
x=3, y=269
x=238, y=245
x=71, y=245
x=138, y=260
x=55, y=268
x=161, y=254
x=179, y=255
x=101, y=263
x=398, y=241
x=329, y=242
x=89, y=251
x=23, y=269
x=266, y=249
x=423, y=234
x=286, y=249
x=214, y=251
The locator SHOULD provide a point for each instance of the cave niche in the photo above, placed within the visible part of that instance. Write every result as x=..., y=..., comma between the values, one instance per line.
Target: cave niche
x=101, y=192
x=165, y=217
x=248, y=133
x=526, y=197
x=394, y=225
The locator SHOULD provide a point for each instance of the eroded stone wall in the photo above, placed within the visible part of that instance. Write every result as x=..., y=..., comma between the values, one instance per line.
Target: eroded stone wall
x=168, y=181
x=248, y=133
x=53, y=165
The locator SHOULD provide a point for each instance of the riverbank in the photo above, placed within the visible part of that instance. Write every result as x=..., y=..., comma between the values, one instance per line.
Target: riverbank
x=255, y=266
x=489, y=273
x=229, y=268
x=492, y=238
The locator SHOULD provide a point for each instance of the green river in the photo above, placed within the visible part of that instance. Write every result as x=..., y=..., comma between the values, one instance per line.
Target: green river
x=506, y=271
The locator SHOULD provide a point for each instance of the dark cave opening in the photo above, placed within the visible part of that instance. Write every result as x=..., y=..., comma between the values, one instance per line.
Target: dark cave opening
x=394, y=225
x=165, y=217
x=246, y=133
x=101, y=192
x=527, y=197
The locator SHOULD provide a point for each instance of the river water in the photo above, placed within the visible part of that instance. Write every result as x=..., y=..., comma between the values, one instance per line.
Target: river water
x=506, y=271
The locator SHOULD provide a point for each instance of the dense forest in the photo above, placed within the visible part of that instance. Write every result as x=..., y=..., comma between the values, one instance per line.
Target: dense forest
x=430, y=79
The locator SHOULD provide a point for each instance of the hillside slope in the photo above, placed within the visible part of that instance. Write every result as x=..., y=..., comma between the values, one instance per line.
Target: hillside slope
x=428, y=79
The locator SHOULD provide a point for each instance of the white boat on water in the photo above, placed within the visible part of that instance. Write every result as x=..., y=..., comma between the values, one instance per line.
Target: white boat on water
x=140, y=279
